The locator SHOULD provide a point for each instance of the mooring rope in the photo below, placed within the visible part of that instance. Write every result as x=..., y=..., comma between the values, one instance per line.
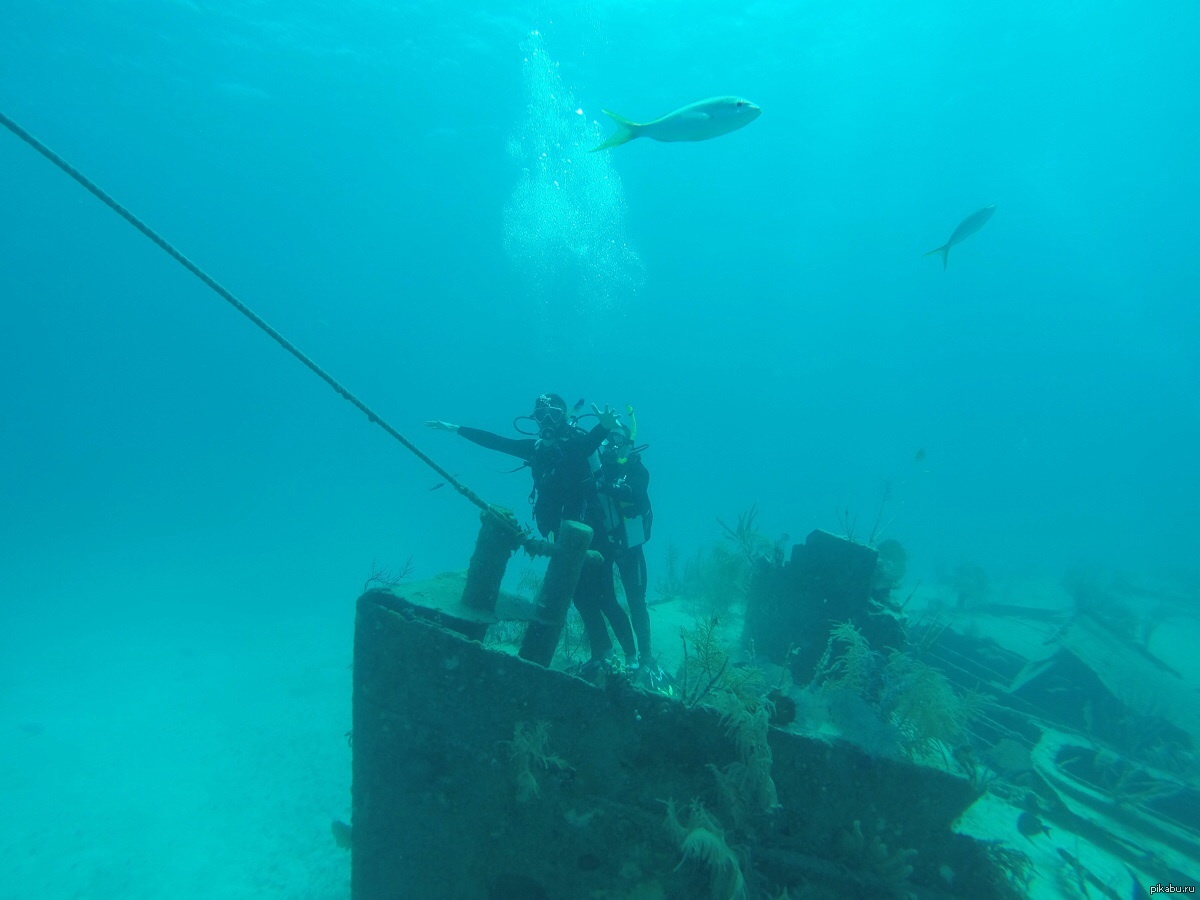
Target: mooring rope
x=241, y=307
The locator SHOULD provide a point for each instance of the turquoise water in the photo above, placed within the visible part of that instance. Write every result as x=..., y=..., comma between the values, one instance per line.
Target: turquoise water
x=402, y=189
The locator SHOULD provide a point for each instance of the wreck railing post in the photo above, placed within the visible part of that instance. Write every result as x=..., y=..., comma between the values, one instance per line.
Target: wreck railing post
x=558, y=587
x=493, y=548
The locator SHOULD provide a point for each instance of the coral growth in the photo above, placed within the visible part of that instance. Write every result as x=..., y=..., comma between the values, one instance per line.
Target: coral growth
x=749, y=541
x=528, y=753
x=702, y=841
x=530, y=582
x=718, y=577
x=921, y=702
x=849, y=663
x=506, y=633
x=1015, y=868
x=746, y=784
x=910, y=699
x=870, y=856
x=387, y=576
x=572, y=645
x=708, y=667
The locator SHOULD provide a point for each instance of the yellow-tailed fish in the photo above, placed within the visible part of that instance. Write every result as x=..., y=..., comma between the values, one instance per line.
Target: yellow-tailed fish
x=701, y=121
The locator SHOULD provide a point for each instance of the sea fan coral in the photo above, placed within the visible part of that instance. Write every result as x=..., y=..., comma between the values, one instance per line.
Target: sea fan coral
x=702, y=841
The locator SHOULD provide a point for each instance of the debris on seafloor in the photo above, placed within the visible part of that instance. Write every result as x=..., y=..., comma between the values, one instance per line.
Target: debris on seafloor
x=1085, y=728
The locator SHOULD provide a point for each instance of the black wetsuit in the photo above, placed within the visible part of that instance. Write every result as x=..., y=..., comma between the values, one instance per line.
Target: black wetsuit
x=565, y=488
x=628, y=483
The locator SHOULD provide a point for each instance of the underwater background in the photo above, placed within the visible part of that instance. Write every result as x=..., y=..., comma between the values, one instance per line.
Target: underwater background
x=403, y=189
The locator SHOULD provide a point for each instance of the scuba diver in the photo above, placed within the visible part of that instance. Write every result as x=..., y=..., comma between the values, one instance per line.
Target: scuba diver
x=624, y=481
x=564, y=487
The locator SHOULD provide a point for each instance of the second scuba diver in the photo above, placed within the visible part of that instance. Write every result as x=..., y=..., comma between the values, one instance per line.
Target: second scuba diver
x=624, y=481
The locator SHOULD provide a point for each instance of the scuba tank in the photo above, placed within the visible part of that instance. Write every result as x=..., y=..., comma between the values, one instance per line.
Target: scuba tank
x=614, y=522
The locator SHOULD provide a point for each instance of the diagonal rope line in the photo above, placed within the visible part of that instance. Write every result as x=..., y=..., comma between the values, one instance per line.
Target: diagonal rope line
x=246, y=311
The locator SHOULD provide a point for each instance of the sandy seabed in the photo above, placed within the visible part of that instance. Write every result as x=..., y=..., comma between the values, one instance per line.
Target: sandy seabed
x=175, y=754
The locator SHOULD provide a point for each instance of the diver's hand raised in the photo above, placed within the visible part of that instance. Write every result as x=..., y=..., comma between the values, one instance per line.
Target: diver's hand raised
x=608, y=418
x=439, y=425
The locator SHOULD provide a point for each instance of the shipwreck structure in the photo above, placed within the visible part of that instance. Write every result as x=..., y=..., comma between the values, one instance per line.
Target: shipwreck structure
x=483, y=774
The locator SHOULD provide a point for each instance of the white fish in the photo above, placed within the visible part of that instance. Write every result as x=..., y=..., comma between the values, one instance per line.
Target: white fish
x=699, y=121
x=965, y=229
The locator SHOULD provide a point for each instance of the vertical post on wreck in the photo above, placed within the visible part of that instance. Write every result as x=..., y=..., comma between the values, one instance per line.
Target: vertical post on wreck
x=558, y=587
x=493, y=548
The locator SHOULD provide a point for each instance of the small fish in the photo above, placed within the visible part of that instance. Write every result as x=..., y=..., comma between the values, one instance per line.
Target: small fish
x=700, y=121
x=919, y=456
x=438, y=485
x=1030, y=825
x=965, y=229
x=343, y=834
x=578, y=404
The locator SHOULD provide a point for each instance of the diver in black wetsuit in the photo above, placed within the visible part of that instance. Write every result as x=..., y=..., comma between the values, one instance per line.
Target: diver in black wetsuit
x=624, y=478
x=565, y=488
